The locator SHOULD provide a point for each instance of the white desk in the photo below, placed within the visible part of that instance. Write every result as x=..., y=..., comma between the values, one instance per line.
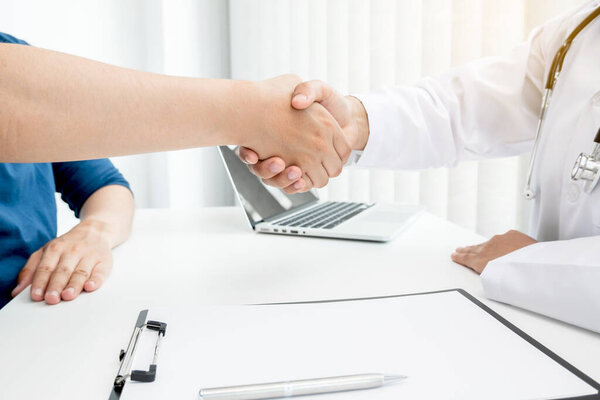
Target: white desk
x=210, y=256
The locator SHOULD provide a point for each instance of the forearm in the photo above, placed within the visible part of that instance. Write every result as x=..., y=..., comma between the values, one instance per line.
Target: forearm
x=55, y=106
x=559, y=279
x=109, y=213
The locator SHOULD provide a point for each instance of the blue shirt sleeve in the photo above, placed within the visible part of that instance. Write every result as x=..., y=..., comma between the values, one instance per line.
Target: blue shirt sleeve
x=78, y=180
x=6, y=38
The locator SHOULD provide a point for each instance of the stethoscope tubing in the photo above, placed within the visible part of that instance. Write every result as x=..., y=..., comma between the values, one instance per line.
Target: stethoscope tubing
x=553, y=75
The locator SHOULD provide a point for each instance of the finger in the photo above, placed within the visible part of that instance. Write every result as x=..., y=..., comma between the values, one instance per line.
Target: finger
x=308, y=184
x=99, y=275
x=333, y=165
x=341, y=146
x=26, y=275
x=469, y=260
x=50, y=257
x=248, y=156
x=461, y=258
x=78, y=278
x=296, y=187
x=268, y=168
x=318, y=177
x=308, y=92
x=285, y=178
x=466, y=249
x=59, y=278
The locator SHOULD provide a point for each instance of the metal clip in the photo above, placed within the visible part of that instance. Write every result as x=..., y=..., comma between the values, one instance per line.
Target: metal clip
x=126, y=356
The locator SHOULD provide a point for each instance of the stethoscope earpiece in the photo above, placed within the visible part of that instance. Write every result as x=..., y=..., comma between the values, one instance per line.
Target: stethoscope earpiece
x=528, y=193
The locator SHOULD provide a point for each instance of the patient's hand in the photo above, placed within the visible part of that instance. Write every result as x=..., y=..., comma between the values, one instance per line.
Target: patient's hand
x=309, y=137
x=81, y=259
x=348, y=111
x=477, y=257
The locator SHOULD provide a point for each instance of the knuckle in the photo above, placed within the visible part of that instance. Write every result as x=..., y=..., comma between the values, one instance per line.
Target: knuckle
x=63, y=270
x=81, y=273
x=54, y=246
x=320, y=146
x=76, y=249
x=45, y=268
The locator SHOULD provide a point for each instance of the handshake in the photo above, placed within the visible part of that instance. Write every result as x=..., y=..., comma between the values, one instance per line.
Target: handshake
x=308, y=131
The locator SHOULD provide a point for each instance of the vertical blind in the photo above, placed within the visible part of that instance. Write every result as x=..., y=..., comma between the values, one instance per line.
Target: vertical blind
x=356, y=45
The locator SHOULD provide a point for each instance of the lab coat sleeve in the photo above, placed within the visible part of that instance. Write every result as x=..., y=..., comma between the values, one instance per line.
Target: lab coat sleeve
x=559, y=279
x=487, y=108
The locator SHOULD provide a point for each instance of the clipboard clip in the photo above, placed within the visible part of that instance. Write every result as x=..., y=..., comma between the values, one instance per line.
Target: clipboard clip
x=126, y=356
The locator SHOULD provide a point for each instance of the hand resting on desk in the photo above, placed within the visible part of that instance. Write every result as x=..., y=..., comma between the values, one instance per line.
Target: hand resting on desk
x=81, y=259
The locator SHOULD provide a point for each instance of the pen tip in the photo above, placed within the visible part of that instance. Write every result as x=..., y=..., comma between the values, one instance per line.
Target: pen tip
x=393, y=378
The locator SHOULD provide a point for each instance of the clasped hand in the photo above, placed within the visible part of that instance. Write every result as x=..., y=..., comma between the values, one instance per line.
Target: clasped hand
x=306, y=135
x=342, y=118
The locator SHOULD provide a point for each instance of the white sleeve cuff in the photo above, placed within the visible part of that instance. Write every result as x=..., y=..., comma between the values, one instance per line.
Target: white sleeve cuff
x=380, y=143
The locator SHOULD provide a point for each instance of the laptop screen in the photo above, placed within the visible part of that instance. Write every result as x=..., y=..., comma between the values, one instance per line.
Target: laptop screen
x=259, y=200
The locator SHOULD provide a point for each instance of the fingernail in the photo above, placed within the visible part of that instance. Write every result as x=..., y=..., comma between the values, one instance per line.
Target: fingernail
x=298, y=185
x=247, y=160
x=293, y=175
x=52, y=293
x=69, y=291
x=274, y=167
x=300, y=97
x=92, y=284
x=37, y=292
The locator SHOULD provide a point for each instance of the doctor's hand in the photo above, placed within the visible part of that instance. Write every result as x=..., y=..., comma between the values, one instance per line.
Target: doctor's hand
x=81, y=259
x=309, y=138
x=348, y=111
x=477, y=257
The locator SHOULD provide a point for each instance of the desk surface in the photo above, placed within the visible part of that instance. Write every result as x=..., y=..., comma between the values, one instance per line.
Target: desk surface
x=210, y=256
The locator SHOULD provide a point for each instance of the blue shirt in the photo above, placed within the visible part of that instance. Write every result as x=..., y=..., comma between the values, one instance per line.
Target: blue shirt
x=28, y=207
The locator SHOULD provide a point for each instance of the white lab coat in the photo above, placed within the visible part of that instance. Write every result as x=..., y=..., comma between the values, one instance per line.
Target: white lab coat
x=490, y=108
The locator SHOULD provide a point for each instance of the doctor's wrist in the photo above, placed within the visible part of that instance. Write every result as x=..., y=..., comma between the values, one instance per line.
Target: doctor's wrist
x=361, y=124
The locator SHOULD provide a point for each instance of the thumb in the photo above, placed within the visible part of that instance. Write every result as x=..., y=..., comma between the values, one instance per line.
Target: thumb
x=309, y=92
x=26, y=275
x=247, y=155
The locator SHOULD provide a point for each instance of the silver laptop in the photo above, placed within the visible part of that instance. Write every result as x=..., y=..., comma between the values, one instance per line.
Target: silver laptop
x=270, y=210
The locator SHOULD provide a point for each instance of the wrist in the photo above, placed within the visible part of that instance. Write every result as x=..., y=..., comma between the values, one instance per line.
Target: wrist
x=361, y=124
x=100, y=230
x=248, y=121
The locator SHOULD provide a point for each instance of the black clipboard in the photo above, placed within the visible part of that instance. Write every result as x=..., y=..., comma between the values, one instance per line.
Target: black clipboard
x=160, y=328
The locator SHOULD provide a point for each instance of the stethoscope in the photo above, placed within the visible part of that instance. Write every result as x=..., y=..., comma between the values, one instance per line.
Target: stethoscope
x=587, y=165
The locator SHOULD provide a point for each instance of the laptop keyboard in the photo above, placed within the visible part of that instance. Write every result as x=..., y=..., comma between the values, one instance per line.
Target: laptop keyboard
x=327, y=215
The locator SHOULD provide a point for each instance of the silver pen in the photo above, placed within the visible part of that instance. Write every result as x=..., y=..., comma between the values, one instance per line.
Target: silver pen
x=277, y=390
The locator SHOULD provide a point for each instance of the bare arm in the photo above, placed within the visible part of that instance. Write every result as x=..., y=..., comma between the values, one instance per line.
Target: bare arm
x=59, y=107
x=81, y=259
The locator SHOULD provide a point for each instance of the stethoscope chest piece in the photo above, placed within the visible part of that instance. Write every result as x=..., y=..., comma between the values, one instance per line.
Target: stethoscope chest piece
x=587, y=166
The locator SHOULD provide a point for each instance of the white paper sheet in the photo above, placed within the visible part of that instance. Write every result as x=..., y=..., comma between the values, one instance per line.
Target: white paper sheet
x=448, y=347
